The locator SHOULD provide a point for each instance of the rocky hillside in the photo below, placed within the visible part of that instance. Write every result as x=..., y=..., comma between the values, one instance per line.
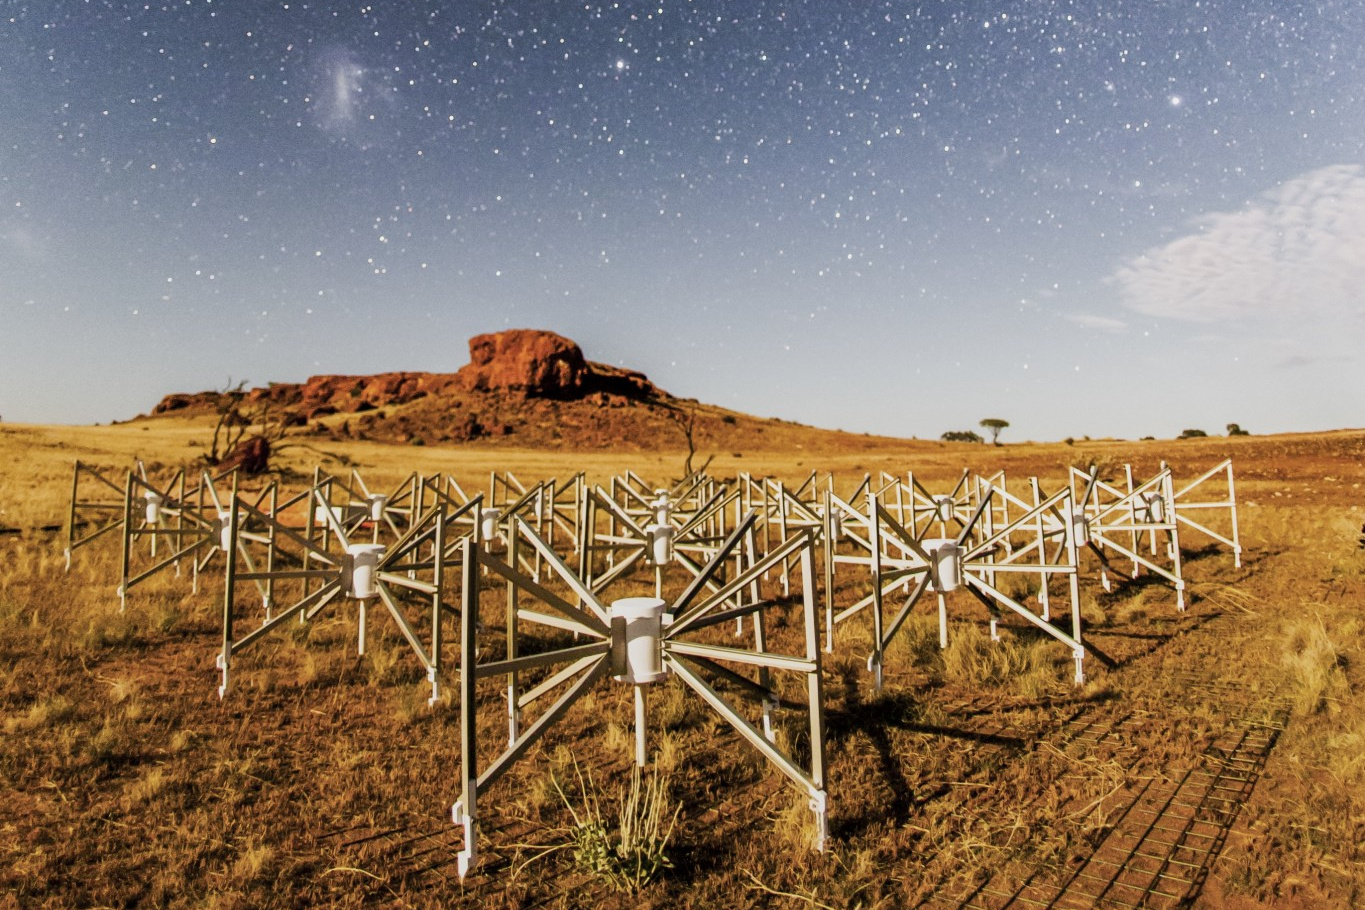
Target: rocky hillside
x=522, y=387
x=520, y=363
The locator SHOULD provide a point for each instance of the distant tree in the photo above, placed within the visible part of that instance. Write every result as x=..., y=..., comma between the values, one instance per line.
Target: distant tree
x=1191, y=434
x=995, y=425
x=961, y=436
x=1235, y=430
x=686, y=422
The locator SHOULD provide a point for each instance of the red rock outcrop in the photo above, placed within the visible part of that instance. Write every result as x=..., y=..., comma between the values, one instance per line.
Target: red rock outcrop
x=343, y=394
x=540, y=364
x=514, y=366
x=527, y=362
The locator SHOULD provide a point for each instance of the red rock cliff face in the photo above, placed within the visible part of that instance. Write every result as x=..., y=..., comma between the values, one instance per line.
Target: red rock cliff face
x=333, y=394
x=539, y=364
x=516, y=364
x=534, y=363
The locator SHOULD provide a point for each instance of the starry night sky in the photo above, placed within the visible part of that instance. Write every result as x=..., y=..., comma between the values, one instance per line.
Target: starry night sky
x=1088, y=218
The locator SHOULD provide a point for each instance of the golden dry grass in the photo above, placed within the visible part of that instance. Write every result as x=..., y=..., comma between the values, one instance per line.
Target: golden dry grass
x=323, y=779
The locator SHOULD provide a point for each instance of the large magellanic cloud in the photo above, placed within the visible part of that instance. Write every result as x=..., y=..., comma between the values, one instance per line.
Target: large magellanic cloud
x=1297, y=250
x=341, y=90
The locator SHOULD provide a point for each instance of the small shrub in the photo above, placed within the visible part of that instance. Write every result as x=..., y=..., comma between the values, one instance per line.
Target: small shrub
x=253, y=863
x=1313, y=667
x=1192, y=434
x=632, y=851
x=971, y=658
x=916, y=644
x=1017, y=586
x=795, y=823
x=166, y=618
x=48, y=711
x=1092, y=611
x=410, y=703
x=384, y=664
x=109, y=630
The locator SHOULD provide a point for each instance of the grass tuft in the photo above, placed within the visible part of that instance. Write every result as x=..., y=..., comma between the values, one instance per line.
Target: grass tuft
x=1314, y=668
x=971, y=658
x=46, y=711
x=630, y=851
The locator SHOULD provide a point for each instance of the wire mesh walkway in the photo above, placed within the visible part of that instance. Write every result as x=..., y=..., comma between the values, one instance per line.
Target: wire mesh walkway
x=1161, y=835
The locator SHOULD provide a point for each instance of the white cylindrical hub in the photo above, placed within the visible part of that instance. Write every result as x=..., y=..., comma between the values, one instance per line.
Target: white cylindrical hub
x=362, y=565
x=488, y=523
x=154, y=501
x=1080, y=527
x=1153, y=511
x=943, y=508
x=225, y=531
x=945, y=564
x=661, y=543
x=637, y=636
x=378, y=503
x=663, y=509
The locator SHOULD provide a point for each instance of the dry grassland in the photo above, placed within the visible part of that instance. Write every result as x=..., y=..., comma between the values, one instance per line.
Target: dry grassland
x=1214, y=758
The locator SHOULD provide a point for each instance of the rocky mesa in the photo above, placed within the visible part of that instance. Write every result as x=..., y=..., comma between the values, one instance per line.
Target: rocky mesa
x=518, y=363
x=522, y=387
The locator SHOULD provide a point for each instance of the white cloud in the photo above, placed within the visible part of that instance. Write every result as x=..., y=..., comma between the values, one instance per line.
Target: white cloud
x=1299, y=249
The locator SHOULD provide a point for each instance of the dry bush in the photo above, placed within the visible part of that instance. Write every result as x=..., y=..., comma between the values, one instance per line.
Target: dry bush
x=916, y=643
x=1313, y=666
x=1093, y=612
x=47, y=711
x=253, y=863
x=972, y=659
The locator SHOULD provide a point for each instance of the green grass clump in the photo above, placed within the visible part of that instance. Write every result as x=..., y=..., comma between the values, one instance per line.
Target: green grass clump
x=630, y=851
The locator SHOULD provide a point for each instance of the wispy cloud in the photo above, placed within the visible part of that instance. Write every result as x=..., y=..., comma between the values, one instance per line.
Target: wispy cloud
x=1299, y=249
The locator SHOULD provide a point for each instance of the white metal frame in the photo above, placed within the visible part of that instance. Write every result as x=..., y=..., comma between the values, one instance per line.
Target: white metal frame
x=599, y=649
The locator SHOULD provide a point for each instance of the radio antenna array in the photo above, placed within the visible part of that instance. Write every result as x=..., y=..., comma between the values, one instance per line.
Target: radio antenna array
x=1111, y=520
x=635, y=640
x=411, y=569
x=900, y=561
x=1202, y=515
